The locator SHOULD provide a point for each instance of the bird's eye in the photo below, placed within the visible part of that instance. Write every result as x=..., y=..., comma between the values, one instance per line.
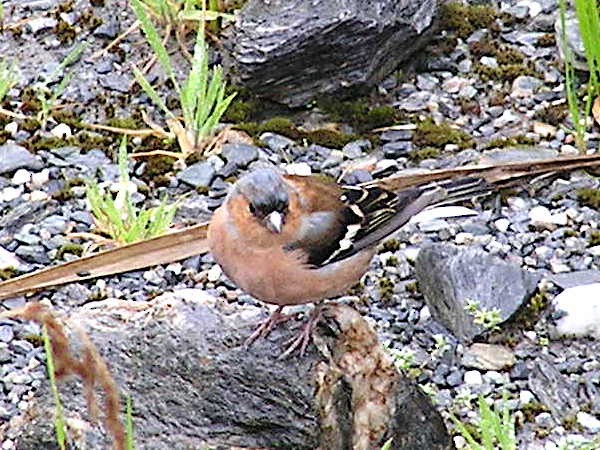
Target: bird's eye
x=251, y=208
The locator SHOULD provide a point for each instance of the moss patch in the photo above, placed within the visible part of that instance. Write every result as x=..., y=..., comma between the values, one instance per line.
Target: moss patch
x=8, y=273
x=553, y=114
x=285, y=127
x=513, y=141
x=429, y=134
x=386, y=289
x=358, y=114
x=74, y=249
x=594, y=238
x=589, y=197
x=465, y=19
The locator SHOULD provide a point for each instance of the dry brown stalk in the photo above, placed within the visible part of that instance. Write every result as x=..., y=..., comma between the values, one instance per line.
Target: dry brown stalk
x=90, y=368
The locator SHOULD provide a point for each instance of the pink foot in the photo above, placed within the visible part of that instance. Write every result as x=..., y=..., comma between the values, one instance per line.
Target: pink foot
x=304, y=336
x=267, y=326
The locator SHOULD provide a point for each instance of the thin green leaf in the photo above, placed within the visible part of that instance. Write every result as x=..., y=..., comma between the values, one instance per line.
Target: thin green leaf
x=151, y=92
x=129, y=434
x=154, y=41
x=59, y=420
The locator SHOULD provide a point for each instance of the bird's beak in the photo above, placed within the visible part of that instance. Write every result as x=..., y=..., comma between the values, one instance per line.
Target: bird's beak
x=274, y=222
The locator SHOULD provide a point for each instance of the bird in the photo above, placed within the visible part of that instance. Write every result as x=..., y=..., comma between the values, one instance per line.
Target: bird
x=290, y=239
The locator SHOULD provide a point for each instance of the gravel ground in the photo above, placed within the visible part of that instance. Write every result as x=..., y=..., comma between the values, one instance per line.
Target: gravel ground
x=547, y=230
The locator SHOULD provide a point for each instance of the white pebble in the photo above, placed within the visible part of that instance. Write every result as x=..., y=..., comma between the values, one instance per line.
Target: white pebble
x=502, y=225
x=61, y=131
x=36, y=196
x=40, y=178
x=214, y=273
x=473, y=377
x=302, y=169
x=12, y=128
x=20, y=177
x=10, y=193
x=588, y=422
x=526, y=397
x=582, y=307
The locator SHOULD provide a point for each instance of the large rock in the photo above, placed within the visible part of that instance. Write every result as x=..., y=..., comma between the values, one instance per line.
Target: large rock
x=194, y=385
x=450, y=277
x=294, y=50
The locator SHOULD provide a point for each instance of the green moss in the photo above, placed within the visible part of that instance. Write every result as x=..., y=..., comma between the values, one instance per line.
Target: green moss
x=513, y=141
x=157, y=169
x=34, y=339
x=75, y=249
x=83, y=139
x=65, y=193
x=358, y=114
x=594, y=238
x=65, y=32
x=8, y=273
x=571, y=424
x=547, y=40
x=29, y=100
x=391, y=245
x=285, y=127
x=589, y=197
x=505, y=72
x=386, y=289
x=465, y=19
x=429, y=134
x=412, y=287
x=425, y=153
x=570, y=233
x=553, y=114
x=392, y=261
x=130, y=123
x=531, y=410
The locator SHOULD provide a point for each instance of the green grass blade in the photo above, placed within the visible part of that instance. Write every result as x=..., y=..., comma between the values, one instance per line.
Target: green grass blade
x=486, y=424
x=466, y=434
x=154, y=41
x=129, y=435
x=151, y=92
x=59, y=420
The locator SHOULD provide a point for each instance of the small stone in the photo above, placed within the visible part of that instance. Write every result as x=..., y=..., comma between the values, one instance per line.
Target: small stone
x=489, y=61
x=507, y=117
x=356, y=149
x=240, y=155
x=545, y=130
x=12, y=128
x=40, y=178
x=580, y=307
x=198, y=175
x=540, y=217
x=488, y=357
x=6, y=333
x=526, y=397
x=10, y=193
x=473, y=378
x=21, y=176
x=302, y=169
x=588, y=422
x=214, y=273
x=13, y=157
x=276, y=142
x=525, y=86
x=502, y=225
x=61, y=131
x=39, y=24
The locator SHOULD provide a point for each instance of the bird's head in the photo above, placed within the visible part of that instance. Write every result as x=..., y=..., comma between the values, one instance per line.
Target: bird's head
x=262, y=198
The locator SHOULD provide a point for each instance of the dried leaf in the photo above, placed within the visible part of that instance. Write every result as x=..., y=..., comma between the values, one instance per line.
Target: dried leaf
x=596, y=110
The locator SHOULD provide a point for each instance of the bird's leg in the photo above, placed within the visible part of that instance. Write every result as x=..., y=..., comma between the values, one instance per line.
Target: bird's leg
x=267, y=326
x=304, y=336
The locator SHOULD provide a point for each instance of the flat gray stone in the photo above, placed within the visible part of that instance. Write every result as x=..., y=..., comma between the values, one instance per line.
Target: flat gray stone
x=13, y=157
x=450, y=277
x=198, y=175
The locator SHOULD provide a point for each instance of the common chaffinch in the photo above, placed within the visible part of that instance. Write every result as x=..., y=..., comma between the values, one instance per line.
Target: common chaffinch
x=289, y=240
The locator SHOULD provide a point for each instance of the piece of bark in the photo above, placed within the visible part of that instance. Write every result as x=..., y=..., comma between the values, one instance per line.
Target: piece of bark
x=193, y=384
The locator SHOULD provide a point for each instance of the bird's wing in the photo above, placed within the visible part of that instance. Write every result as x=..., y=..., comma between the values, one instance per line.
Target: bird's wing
x=341, y=221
